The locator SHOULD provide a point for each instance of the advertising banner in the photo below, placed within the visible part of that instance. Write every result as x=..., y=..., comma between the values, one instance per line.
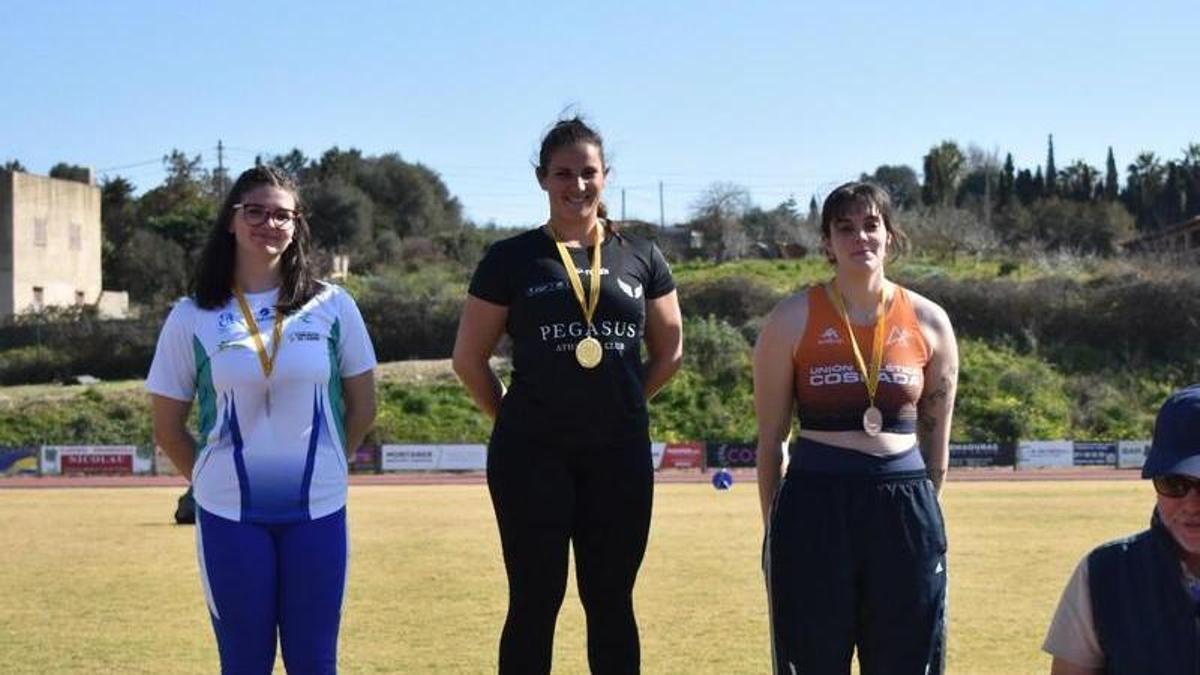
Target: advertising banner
x=409, y=457
x=733, y=454
x=365, y=459
x=1045, y=454
x=462, y=457
x=656, y=454
x=18, y=461
x=1132, y=454
x=689, y=455
x=96, y=459
x=1095, y=453
x=975, y=454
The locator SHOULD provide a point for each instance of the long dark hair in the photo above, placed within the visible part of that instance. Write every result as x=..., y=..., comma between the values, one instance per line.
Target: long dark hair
x=565, y=133
x=213, y=282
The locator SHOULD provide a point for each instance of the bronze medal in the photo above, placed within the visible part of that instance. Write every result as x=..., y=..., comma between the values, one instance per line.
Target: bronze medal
x=589, y=352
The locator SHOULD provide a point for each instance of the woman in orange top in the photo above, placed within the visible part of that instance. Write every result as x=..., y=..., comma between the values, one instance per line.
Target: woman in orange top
x=855, y=544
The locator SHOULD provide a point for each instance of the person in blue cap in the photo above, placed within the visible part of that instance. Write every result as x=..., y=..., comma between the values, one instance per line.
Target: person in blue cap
x=1132, y=605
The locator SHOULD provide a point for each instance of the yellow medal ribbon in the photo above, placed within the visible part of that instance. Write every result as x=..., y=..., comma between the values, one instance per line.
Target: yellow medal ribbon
x=873, y=419
x=267, y=362
x=588, y=352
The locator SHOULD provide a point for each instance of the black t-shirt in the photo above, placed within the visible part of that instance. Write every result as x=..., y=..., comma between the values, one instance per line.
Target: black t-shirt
x=550, y=391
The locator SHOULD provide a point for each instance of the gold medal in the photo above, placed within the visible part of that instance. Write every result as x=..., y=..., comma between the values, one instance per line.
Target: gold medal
x=589, y=352
x=872, y=421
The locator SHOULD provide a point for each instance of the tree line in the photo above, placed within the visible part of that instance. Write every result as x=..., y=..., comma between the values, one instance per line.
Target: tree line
x=969, y=200
x=384, y=211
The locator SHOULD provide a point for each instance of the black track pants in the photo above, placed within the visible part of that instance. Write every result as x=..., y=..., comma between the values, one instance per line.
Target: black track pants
x=855, y=561
x=597, y=496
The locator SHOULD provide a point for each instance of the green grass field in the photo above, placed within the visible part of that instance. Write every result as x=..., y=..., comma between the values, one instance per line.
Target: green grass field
x=96, y=580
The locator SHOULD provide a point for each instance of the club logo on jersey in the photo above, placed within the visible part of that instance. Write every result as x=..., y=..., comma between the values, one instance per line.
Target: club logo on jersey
x=548, y=287
x=830, y=337
x=305, y=317
x=634, y=292
x=224, y=320
x=899, y=335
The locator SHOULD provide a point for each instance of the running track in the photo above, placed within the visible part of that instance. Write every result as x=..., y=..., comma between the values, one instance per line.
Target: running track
x=478, y=478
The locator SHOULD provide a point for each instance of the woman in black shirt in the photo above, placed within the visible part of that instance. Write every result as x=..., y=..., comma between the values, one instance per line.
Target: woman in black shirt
x=569, y=458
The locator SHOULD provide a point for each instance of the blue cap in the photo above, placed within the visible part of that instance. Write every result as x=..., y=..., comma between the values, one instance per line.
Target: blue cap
x=1176, y=444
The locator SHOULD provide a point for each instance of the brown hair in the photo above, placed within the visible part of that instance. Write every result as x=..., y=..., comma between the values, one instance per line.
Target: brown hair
x=213, y=282
x=855, y=195
x=565, y=133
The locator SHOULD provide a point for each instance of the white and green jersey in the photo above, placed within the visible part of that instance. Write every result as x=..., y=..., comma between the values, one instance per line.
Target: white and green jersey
x=267, y=460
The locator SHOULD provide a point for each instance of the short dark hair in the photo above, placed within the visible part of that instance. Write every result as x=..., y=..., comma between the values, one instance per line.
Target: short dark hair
x=213, y=281
x=565, y=133
x=855, y=195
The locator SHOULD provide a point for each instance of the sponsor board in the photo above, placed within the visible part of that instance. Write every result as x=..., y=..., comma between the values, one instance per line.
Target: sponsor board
x=462, y=457
x=689, y=455
x=365, y=459
x=975, y=454
x=656, y=454
x=1132, y=454
x=408, y=457
x=96, y=459
x=1045, y=454
x=730, y=454
x=18, y=461
x=1094, y=453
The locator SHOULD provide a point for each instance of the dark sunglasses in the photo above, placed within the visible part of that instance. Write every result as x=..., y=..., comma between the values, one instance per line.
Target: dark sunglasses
x=1175, y=486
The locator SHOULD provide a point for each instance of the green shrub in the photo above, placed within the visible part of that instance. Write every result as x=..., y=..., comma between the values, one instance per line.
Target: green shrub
x=1004, y=396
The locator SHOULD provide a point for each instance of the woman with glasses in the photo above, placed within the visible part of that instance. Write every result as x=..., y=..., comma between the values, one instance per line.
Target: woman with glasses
x=855, y=550
x=282, y=369
x=569, y=459
x=1131, y=604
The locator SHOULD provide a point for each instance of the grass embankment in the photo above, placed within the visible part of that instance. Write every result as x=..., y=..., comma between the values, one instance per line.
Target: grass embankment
x=97, y=581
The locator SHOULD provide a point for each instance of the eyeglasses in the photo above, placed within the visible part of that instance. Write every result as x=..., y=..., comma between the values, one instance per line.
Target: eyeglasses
x=1175, y=486
x=257, y=215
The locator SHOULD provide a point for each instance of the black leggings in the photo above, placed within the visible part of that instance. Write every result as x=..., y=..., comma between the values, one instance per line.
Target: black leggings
x=596, y=494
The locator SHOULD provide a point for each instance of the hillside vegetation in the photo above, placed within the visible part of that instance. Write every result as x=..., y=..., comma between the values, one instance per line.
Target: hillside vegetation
x=1059, y=347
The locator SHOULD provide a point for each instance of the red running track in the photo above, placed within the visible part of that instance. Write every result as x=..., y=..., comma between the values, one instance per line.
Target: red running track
x=479, y=478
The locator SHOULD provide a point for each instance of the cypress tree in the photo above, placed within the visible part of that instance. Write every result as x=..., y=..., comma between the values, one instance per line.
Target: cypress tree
x=1111, y=187
x=1007, y=181
x=1051, y=171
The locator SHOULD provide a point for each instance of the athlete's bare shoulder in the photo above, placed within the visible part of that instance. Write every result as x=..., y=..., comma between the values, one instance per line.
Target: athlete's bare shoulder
x=930, y=314
x=786, y=322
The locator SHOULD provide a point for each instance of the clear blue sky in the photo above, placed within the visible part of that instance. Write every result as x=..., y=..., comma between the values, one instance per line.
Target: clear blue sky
x=785, y=98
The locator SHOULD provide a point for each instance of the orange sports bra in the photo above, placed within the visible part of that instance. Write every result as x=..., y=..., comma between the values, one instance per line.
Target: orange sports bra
x=830, y=392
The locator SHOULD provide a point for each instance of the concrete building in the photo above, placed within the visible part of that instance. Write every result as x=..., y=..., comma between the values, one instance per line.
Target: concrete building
x=1181, y=240
x=50, y=245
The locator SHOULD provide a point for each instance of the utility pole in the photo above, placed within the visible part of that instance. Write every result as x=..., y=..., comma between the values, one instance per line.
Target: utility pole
x=662, y=221
x=221, y=178
x=622, y=205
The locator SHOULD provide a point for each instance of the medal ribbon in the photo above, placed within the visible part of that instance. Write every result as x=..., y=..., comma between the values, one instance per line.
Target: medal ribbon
x=267, y=363
x=593, y=299
x=870, y=376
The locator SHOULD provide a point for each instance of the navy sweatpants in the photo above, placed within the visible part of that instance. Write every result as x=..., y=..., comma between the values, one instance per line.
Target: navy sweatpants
x=591, y=493
x=857, y=560
x=266, y=580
